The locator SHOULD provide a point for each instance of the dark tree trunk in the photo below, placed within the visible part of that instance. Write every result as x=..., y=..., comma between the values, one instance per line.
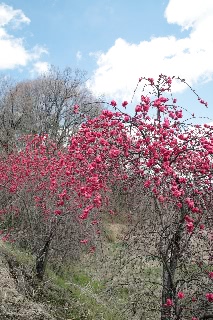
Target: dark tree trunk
x=41, y=259
x=170, y=263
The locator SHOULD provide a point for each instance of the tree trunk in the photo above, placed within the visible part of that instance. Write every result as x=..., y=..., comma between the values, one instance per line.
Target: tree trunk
x=170, y=263
x=167, y=293
x=41, y=259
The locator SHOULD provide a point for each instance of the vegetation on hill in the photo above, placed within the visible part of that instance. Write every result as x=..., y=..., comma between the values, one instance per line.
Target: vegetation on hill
x=109, y=214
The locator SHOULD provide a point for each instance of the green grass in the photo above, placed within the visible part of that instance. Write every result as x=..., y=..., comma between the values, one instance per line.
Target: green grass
x=73, y=295
x=84, y=290
x=21, y=256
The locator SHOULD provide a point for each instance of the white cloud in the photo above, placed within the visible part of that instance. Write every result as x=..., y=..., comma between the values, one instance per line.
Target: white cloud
x=190, y=57
x=188, y=13
x=10, y=15
x=40, y=67
x=79, y=55
x=13, y=52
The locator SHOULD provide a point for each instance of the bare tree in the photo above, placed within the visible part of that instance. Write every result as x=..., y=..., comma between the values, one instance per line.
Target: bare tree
x=56, y=103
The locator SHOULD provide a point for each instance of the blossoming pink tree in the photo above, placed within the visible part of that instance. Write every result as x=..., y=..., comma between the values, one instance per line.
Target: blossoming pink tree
x=168, y=159
x=173, y=161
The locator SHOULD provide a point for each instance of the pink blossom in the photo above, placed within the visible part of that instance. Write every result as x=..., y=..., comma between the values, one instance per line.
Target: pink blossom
x=113, y=103
x=92, y=249
x=151, y=80
x=103, y=142
x=146, y=108
x=84, y=241
x=203, y=102
x=161, y=108
x=76, y=108
x=147, y=184
x=172, y=115
x=169, y=303
x=166, y=123
x=126, y=118
x=190, y=227
x=124, y=104
x=58, y=212
x=179, y=114
x=188, y=218
x=145, y=100
x=90, y=151
x=97, y=201
x=85, y=213
x=60, y=203
x=138, y=108
x=113, y=153
x=189, y=202
x=161, y=198
x=180, y=295
x=209, y=297
x=98, y=159
x=169, y=80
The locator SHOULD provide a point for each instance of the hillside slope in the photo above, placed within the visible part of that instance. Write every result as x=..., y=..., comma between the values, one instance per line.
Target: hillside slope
x=14, y=305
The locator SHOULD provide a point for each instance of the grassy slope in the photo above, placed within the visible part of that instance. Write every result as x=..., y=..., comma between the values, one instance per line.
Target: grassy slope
x=74, y=294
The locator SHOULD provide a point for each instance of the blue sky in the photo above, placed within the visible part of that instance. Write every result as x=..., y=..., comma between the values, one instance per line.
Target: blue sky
x=115, y=41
